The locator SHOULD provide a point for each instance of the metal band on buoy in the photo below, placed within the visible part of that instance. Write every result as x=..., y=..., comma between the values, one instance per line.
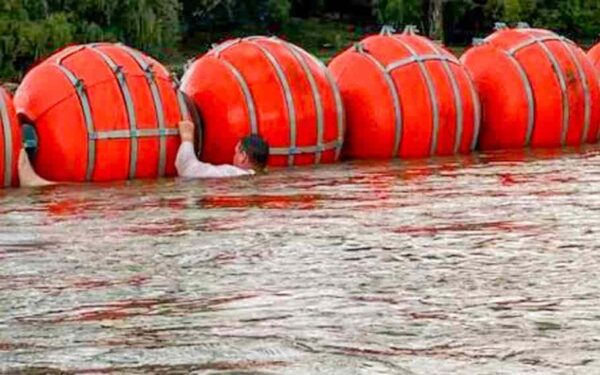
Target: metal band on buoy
x=302, y=149
x=218, y=49
x=158, y=104
x=67, y=52
x=524, y=80
x=339, y=104
x=476, y=111
x=289, y=100
x=280, y=62
x=587, y=95
x=395, y=96
x=557, y=71
x=530, y=98
x=421, y=58
x=87, y=115
x=315, y=95
x=248, y=98
x=431, y=90
x=138, y=133
x=458, y=100
x=127, y=99
x=8, y=145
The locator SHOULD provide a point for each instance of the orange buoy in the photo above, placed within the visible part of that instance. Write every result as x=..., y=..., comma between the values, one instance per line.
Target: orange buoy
x=102, y=112
x=405, y=97
x=269, y=87
x=594, y=55
x=10, y=141
x=536, y=88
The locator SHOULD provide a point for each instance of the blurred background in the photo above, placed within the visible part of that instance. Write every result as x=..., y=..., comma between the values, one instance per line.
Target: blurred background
x=177, y=30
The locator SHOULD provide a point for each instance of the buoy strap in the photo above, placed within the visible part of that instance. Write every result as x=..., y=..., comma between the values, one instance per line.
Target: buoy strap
x=286, y=151
x=128, y=100
x=339, y=104
x=7, y=140
x=316, y=95
x=536, y=39
x=560, y=75
x=431, y=89
x=287, y=93
x=458, y=95
x=87, y=115
x=583, y=79
x=219, y=48
x=387, y=30
x=67, y=52
x=398, y=124
x=300, y=57
x=420, y=58
x=133, y=133
x=147, y=67
x=248, y=98
x=529, y=93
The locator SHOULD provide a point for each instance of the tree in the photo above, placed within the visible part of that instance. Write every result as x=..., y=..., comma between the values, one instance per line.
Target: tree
x=512, y=11
x=436, y=19
x=223, y=14
x=31, y=29
x=398, y=12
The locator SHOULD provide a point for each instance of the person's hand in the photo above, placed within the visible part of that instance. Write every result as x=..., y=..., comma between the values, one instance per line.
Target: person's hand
x=186, y=131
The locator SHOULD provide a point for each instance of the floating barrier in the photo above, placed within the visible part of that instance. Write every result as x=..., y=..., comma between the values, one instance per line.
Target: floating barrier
x=405, y=97
x=537, y=89
x=594, y=55
x=269, y=87
x=102, y=112
x=10, y=141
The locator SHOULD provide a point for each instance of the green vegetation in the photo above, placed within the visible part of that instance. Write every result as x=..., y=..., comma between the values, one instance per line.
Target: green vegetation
x=175, y=30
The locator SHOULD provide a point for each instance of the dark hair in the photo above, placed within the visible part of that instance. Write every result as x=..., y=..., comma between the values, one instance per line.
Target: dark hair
x=257, y=150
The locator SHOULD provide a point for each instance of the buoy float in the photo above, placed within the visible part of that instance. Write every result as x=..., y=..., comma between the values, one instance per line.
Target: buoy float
x=536, y=88
x=10, y=141
x=405, y=97
x=102, y=112
x=269, y=87
x=594, y=55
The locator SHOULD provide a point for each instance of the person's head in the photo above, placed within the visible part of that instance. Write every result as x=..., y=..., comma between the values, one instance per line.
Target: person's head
x=251, y=152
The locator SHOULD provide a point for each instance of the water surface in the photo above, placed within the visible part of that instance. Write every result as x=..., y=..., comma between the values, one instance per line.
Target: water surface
x=486, y=264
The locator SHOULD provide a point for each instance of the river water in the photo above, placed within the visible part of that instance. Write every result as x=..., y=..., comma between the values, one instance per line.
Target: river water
x=486, y=264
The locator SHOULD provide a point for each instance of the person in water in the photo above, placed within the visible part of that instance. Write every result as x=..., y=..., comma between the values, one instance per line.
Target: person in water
x=250, y=157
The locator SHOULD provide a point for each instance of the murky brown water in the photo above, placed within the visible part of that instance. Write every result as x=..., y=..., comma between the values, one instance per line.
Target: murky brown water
x=486, y=264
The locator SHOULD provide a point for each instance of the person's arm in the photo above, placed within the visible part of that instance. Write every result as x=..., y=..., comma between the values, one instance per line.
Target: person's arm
x=189, y=166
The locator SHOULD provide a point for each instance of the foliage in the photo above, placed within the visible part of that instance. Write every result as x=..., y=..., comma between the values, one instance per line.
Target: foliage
x=399, y=12
x=220, y=14
x=32, y=29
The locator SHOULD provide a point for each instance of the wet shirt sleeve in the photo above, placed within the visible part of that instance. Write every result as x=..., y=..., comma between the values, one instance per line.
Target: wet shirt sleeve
x=189, y=166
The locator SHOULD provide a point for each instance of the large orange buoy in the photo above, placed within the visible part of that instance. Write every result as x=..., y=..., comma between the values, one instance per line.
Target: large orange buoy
x=102, y=112
x=10, y=141
x=594, y=55
x=405, y=97
x=269, y=87
x=536, y=88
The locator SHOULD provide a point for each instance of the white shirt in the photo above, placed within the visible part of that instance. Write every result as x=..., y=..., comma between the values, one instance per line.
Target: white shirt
x=190, y=167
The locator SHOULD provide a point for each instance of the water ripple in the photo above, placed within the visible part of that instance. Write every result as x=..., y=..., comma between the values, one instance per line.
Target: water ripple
x=486, y=264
